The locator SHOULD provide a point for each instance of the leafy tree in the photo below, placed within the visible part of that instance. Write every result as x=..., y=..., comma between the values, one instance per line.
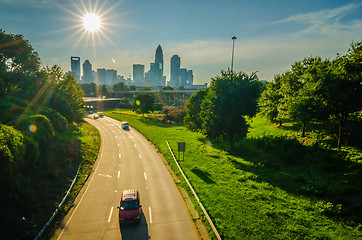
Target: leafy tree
x=270, y=100
x=229, y=102
x=120, y=86
x=125, y=103
x=68, y=99
x=193, y=120
x=18, y=62
x=167, y=88
x=345, y=89
x=104, y=91
x=300, y=91
x=143, y=103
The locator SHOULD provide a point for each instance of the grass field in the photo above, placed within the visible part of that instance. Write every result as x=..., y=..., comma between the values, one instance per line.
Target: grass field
x=270, y=187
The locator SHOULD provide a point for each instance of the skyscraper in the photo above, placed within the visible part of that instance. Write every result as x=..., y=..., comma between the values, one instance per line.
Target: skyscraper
x=155, y=76
x=138, y=74
x=75, y=67
x=190, y=78
x=101, y=76
x=111, y=76
x=87, y=72
x=183, y=77
x=175, y=71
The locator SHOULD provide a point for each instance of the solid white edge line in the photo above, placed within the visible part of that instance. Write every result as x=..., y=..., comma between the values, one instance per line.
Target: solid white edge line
x=110, y=215
x=149, y=208
x=90, y=181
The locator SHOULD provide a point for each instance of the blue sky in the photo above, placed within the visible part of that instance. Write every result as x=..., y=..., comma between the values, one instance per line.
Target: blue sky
x=271, y=35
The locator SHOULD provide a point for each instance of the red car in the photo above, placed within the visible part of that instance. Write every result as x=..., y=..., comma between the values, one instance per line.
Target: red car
x=130, y=208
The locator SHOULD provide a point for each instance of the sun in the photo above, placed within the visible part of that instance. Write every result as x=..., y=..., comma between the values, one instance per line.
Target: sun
x=91, y=22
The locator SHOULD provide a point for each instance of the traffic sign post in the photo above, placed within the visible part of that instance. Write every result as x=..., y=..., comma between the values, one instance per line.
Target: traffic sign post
x=181, y=147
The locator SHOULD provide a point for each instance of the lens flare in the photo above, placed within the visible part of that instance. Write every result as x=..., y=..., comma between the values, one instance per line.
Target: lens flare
x=32, y=128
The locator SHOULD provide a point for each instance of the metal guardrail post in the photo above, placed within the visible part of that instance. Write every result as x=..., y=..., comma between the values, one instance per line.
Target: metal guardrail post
x=195, y=195
x=57, y=210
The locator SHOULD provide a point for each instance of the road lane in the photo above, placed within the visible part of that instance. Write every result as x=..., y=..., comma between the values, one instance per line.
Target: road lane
x=127, y=160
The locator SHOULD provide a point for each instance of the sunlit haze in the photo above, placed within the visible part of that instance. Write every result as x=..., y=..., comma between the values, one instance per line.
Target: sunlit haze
x=115, y=34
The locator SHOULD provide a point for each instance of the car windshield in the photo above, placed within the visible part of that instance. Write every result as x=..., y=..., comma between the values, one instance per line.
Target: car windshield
x=129, y=205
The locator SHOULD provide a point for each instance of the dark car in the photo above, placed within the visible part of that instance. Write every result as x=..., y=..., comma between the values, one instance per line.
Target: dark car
x=125, y=125
x=130, y=207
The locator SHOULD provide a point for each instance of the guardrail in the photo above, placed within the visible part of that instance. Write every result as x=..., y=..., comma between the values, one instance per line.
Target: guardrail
x=195, y=195
x=59, y=206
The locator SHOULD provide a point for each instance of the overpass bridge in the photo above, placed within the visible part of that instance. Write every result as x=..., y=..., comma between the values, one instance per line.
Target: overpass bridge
x=167, y=97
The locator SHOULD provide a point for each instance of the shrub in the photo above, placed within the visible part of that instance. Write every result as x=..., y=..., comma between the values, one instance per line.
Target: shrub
x=11, y=155
x=58, y=121
x=37, y=127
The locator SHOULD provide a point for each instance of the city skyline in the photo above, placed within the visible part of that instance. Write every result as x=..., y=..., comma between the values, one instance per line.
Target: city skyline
x=270, y=35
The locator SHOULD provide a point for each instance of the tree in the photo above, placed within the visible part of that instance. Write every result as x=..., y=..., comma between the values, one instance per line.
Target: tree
x=125, y=103
x=68, y=99
x=120, y=86
x=345, y=89
x=167, y=88
x=143, y=103
x=300, y=91
x=270, y=100
x=193, y=120
x=18, y=62
x=230, y=100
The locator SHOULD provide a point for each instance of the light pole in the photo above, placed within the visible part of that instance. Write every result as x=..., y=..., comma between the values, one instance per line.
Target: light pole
x=232, y=54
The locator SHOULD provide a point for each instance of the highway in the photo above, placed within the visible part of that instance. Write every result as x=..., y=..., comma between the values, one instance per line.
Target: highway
x=127, y=161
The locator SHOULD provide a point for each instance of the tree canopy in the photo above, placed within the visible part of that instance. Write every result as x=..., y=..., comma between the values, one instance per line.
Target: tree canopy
x=144, y=103
x=225, y=107
x=317, y=89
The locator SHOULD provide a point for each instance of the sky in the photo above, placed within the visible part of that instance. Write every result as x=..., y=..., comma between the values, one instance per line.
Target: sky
x=271, y=35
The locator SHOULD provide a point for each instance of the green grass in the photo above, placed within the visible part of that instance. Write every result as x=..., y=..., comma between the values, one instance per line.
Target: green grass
x=271, y=187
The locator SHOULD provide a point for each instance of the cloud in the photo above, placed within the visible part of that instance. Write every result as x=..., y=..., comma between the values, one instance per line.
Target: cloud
x=321, y=22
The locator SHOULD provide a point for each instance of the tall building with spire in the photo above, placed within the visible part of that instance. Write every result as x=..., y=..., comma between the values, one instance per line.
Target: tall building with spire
x=155, y=76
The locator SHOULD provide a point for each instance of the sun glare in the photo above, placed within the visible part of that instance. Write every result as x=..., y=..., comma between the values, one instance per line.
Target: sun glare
x=91, y=22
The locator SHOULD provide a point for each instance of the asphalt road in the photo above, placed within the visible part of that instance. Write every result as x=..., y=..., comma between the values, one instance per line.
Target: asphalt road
x=127, y=161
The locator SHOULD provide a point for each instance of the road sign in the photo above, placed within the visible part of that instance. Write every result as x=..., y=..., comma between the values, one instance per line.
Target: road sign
x=181, y=146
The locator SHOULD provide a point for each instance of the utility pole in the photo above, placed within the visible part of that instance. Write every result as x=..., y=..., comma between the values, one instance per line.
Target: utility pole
x=232, y=54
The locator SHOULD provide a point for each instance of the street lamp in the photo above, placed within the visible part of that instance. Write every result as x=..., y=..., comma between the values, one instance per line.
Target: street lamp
x=232, y=54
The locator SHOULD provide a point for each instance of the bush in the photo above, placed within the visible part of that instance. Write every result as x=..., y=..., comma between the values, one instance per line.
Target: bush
x=125, y=103
x=37, y=127
x=58, y=121
x=174, y=114
x=11, y=155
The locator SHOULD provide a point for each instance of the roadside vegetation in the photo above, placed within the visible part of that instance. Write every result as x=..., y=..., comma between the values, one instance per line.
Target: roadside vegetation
x=298, y=179
x=43, y=139
x=274, y=185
